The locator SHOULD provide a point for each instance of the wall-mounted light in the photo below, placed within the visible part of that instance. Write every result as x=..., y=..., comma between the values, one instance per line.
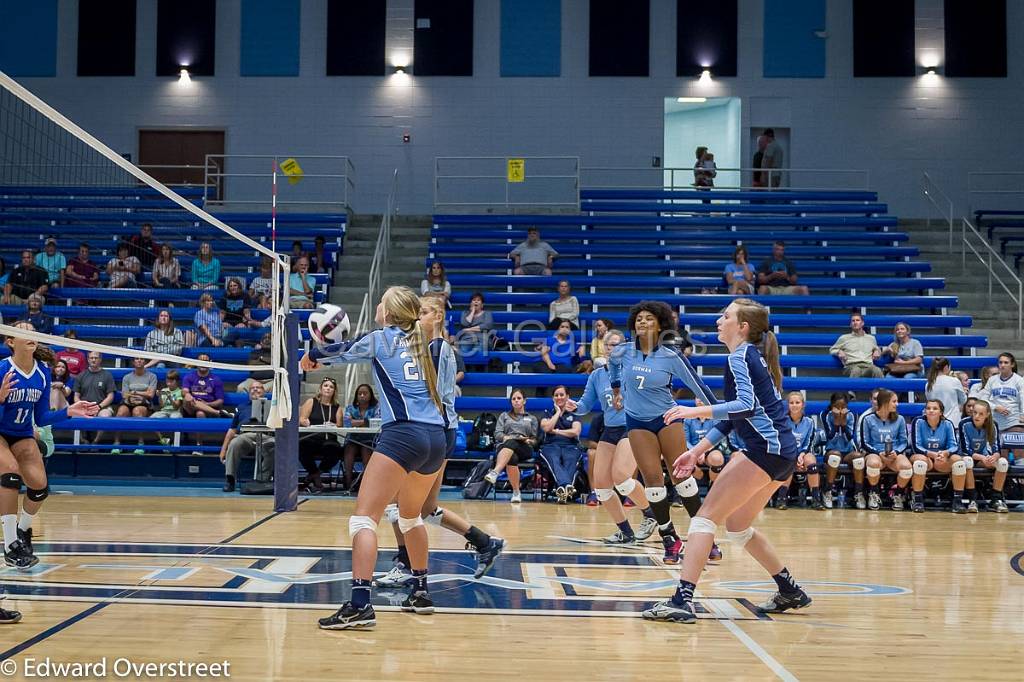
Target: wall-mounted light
x=183, y=76
x=691, y=100
x=400, y=69
x=705, y=76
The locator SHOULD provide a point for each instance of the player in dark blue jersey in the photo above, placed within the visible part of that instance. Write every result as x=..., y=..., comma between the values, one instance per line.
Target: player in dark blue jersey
x=979, y=445
x=755, y=409
x=407, y=455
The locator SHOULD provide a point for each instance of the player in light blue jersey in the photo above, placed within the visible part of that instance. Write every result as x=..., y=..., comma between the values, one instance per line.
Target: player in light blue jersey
x=407, y=455
x=886, y=447
x=936, y=447
x=979, y=445
x=642, y=372
x=806, y=434
x=839, y=425
x=613, y=458
x=753, y=407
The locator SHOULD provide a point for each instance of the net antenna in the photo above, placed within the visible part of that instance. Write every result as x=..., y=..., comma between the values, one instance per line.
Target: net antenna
x=17, y=114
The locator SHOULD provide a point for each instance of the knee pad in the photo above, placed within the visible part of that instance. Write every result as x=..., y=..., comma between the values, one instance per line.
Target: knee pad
x=858, y=464
x=812, y=469
x=872, y=471
x=37, y=495
x=688, y=488
x=435, y=516
x=604, y=494
x=717, y=469
x=920, y=468
x=905, y=474
x=655, y=494
x=11, y=481
x=968, y=462
x=699, y=524
x=834, y=461
x=1002, y=465
x=959, y=468
x=406, y=525
x=624, y=488
x=740, y=537
x=360, y=523
x=391, y=513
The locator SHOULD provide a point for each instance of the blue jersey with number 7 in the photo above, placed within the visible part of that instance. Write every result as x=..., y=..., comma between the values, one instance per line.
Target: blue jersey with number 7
x=28, y=404
x=646, y=380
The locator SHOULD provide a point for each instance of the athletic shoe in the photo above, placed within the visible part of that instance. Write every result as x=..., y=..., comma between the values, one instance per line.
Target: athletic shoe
x=349, y=617
x=26, y=539
x=999, y=506
x=917, y=506
x=784, y=602
x=817, y=504
x=9, y=616
x=561, y=494
x=972, y=507
x=229, y=484
x=874, y=501
x=781, y=504
x=673, y=547
x=958, y=505
x=859, y=501
x=18, y=556
x=491, y=477
x=516, y=498
x=647, y=527
x=398, y=576
x=897, y=501
x=592, y=500
x=419, y=602
x=619, y=538
x=716, y=553
x=826, y=499
x=115, y=451
x=668, y=611
x=139, y=451
x=486, y=558
x=570, y=493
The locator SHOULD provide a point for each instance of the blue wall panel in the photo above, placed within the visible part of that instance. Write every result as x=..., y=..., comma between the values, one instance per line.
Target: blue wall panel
x=531, y=37
x=791, y=50
x=28, y=37
x=270, y=38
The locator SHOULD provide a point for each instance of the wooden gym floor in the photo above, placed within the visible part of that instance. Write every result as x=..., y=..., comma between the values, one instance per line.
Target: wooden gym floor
x=208, y=580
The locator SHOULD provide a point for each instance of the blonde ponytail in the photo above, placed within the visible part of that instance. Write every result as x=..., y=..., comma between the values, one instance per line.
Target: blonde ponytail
x=402, y=308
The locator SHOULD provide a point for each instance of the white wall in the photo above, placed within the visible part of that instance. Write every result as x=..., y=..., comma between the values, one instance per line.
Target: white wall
x=896, y=128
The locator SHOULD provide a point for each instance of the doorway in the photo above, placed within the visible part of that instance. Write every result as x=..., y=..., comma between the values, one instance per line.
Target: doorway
x=177, y=157
x=712, y=122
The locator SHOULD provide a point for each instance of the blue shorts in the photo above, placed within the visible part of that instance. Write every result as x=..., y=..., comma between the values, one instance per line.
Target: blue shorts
x=414, y=446
x=776, y=466
x=613, y=434
x=653, y=425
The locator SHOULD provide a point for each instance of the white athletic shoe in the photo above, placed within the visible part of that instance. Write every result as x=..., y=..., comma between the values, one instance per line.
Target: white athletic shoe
x=398, y=576
x=826, y=499
x=619, y=538
x=859, y=501
x=491, y=477
x=516, y=498
x=561, y=494
x=874, y=500
x=647, y=527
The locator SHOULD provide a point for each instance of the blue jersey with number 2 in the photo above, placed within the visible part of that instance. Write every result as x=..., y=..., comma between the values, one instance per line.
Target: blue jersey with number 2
x=28, y=404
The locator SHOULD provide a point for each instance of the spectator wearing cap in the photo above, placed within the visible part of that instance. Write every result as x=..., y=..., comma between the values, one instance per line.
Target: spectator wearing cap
x=533, y=257
x=26, y=279
x=34, y=314
x=81, y=271
x=53, y=262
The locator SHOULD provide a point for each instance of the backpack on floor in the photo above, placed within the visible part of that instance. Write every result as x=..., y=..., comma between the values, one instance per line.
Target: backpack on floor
x=475, y=486
x=481, y=437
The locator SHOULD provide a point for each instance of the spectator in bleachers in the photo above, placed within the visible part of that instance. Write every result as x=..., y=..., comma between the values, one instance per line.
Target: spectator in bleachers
x=62, y=385
x=260, y=355
x=209, y=322
x=74, y=358
x=364, y=407
x=297, y=252
x=171, y=398
x=320, y=260
x=1005, y=392
x=777, y=275
x=236, y=307
x=561, y=448
x=564, y=308
x=561, y=351
x=301, y=286
x=436, y=282
x=475, y=326
x=262, y=285
x=317, y=411
x=979, y=439
x=166, y=269
x=26, y=279
x=143, y=247
x=123, y=268
x=839, y=423
x=97, y=386
x=773, y=159
x=237, y=444
x=906, y=353
x=165, y=338
x=42, y=322
x=533, y=257
x=53, y=262
x=138, y=388
x=202, y=396
x=205, y=268
x=857, y=351
x=81, y=271
x=601, y=327
x=738, y=274
x=884, y=440
x=946, y=388
x=517, y=435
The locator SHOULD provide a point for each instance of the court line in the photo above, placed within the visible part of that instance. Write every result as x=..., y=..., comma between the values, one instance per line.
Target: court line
x=257, y=524
x=46, y=634
x=756, y=649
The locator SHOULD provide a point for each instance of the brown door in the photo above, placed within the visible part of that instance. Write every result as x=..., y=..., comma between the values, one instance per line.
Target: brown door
x=165, y=153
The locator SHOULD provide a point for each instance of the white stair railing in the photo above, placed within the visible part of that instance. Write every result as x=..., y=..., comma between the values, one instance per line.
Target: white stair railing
x=998, y=270
x=941, y=202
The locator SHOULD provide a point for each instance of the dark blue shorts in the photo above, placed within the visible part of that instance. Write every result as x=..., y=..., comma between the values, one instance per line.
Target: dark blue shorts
x=613, y=434
x=653, y=425
x=415, y=446
x=449, y=448
x=776, y=466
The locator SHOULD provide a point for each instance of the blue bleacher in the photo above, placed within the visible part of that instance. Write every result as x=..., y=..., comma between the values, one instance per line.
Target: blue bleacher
x=670, y=206
x=476, y=221
x=566, y=266
x=654, y=283
x=674, y=234
x=775, y=196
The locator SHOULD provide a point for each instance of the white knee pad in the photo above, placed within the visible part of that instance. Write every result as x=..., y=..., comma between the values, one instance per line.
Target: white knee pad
x=740, y=537
x=688, y=488
x=834, y=461
x=968, y=462
x=872, y=471
x=959, y=468
x=435, y=516
x=604, y=494
x=391, y=513
x=858, y=464
x=360, y=523
x=920, y=468
x=406, y=525
x=655, y=494
x=626, y=487
x=699, y=524
x=905, y=473
x=1002, y=465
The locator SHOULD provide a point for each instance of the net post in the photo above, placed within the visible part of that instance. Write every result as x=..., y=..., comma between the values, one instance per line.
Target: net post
x=286, y=439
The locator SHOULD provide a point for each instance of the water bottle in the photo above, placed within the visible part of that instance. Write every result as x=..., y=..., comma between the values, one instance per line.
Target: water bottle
x=888, y=445
x=538, y=483
x=515, y=367
x=842, y=498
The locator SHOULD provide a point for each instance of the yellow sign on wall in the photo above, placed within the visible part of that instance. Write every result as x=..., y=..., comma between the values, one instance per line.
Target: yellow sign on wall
x=516, y=170
x=292, y=169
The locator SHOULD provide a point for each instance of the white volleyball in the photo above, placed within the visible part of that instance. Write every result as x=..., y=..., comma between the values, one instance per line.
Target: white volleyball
x=329, y=324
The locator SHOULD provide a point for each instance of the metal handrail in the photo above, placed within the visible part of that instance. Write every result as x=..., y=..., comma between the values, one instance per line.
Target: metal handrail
x=992, y=258
x=974, y=190
x=214, y=174
x=686, y=183
x=571, y=178
x=933, y=193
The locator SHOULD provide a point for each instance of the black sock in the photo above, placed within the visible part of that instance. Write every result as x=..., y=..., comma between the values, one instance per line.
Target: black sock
x=648, y=513
x=858, y=487
x=668, y=531
x=972, y=494
x=662, y=511
x=229, y=479
x=684, y=593
x=360, y=593
x=403, y=556
x=692, y=505
x=815, y=494
x=478, y=538
x=421, y=580
x=785, y=582
x=626, y=529
x=782, y=493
